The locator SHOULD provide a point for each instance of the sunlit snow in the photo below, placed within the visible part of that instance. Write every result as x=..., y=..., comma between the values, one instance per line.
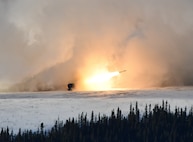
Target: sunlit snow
x=28, y=110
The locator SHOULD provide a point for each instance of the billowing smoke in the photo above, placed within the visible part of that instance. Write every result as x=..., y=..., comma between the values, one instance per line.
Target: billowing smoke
x=45, y=44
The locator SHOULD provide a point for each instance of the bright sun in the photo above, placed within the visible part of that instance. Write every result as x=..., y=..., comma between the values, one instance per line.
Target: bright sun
x=100, y=81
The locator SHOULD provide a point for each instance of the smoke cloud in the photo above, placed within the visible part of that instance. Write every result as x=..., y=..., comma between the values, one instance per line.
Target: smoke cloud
x=45, y=44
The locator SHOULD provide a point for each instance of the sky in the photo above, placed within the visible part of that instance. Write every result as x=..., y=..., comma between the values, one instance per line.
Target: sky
x=45, y=44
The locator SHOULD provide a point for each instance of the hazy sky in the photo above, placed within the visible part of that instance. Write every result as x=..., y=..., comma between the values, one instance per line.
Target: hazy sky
x=48, y=43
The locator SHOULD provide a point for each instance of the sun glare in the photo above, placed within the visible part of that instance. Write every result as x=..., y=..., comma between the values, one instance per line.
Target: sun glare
x=101, y=81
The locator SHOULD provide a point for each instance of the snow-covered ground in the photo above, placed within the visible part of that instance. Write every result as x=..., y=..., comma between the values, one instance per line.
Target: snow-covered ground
x=28, y=110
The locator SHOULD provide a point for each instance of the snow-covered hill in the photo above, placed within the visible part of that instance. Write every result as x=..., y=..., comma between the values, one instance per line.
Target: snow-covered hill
x=28, y=110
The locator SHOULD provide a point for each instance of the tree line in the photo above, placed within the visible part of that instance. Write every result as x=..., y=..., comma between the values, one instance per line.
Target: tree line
x=157, y=124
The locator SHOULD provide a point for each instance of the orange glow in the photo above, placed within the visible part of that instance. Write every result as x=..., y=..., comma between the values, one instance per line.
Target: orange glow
x=100, y=81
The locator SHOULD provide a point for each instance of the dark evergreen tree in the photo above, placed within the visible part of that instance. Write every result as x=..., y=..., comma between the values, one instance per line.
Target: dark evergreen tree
x=157, y=124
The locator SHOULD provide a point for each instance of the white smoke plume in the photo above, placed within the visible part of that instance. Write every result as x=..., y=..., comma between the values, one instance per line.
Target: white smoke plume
x=45, y=44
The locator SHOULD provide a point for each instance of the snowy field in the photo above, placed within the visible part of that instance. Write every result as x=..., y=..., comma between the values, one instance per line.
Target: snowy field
x=28, y=110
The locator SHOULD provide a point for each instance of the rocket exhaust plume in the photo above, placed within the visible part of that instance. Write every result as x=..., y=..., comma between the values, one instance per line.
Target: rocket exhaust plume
x=100, y=81
x=47, y=45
